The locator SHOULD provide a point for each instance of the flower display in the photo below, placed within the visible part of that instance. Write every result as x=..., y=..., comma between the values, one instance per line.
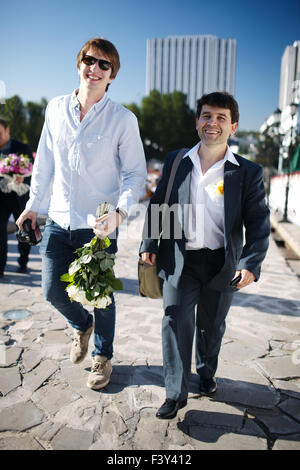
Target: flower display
x=13, y=168
x=13, y=164
x=91, y=277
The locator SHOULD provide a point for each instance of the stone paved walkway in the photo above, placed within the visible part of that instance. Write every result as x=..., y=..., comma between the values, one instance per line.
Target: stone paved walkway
x=45, y=403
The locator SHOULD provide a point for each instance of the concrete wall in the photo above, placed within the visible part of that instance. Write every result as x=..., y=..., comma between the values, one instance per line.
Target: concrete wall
x=277, y=196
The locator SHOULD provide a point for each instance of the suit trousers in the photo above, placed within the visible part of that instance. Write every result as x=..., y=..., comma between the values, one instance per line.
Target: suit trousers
x=189, y=307
x=11, y=203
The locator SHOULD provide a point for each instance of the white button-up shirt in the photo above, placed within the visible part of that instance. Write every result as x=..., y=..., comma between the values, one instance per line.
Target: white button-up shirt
x=205, y=228
x=82, y=164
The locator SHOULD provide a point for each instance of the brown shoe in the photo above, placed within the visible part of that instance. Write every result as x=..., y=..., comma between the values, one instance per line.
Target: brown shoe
x=80, y=344
x=100, y=373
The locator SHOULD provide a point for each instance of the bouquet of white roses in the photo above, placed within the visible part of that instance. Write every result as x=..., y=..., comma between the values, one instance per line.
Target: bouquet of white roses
x=91, y=277
x=13, y=168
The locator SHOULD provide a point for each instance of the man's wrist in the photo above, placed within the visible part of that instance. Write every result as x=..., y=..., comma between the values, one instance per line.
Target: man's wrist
x=122, y=213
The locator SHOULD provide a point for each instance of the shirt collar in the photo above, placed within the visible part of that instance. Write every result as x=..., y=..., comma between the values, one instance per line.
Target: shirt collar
x=74, y=103
x=193, y=154
x=6, y=148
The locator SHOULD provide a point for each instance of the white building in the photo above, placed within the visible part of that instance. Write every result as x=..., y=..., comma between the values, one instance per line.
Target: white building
x=290, y=76
x=286, y=120
x=191, y=64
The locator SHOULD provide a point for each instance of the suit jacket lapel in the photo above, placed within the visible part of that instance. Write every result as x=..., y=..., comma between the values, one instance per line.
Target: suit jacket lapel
x=232, y=190
x=183, y=181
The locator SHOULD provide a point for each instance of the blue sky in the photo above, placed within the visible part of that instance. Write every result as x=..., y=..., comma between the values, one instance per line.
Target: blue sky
x=40, y=40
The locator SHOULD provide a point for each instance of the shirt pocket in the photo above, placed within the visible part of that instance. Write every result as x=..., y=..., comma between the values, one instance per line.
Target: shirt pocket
x=98, y=142
x=214, y=197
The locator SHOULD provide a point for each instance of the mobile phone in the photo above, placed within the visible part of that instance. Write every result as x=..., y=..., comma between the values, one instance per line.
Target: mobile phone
x=236, y=280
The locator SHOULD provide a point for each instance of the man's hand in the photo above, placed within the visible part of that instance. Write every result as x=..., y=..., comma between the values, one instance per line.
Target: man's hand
x=27, y=214
x=247, y=278
x=149, y=258
x=107, y=224
x=19, y=179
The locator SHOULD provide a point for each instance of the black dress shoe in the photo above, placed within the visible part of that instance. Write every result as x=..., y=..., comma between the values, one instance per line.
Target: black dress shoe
x=169, y=408
x=208, y=385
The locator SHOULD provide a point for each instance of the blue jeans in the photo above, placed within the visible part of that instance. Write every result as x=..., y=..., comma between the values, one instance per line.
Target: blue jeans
x=58, y=251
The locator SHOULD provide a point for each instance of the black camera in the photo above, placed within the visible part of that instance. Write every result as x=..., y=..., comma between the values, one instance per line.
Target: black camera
x=28, y=235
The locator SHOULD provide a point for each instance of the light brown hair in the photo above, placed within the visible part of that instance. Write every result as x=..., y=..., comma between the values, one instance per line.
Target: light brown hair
x=107, y=48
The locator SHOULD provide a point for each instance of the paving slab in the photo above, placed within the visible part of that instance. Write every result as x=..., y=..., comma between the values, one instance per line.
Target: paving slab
x=52, y=398
x=293, y=443
x=72, y=439
x=291, y=407
x=20, y=417
x=12, y=354
x=20, y=443
x=280, y=367
x=149, y=425
x=34, y=379
x=30, y=359
x=276, y=423
x=227, y=441
x=10, y=378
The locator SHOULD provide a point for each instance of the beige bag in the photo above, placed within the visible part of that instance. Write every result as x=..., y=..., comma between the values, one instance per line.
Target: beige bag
x=150, y=285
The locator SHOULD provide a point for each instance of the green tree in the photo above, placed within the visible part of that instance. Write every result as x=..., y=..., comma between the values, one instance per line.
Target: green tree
x=166, y=123
x=268, y=149
x=14, y=112
x=35, y=121
x=25, y=120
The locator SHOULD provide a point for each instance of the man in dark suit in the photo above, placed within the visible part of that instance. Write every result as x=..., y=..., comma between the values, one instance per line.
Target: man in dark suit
x=11, y=203
x=199, y=247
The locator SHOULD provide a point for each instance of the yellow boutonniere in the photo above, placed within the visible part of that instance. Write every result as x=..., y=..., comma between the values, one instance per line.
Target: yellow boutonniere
x=220, y=188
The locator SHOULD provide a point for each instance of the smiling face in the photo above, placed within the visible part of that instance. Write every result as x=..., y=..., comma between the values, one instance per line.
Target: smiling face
x=214, y=125
x=91, y=76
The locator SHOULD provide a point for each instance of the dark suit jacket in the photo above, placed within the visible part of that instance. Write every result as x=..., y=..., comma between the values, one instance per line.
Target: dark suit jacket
x=244, y=206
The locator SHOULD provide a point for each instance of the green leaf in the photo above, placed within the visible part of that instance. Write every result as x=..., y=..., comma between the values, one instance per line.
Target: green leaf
x=94, y=267
x=100, y=254
x=106, y=263
x=107, y=242
x=74, y=267
x=86, y=258
x=117, y=284
x=89, y=296
x=65, y=277
x=93, y=242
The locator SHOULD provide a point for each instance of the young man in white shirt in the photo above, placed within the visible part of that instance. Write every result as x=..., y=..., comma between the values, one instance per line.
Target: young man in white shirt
x=221, y=193
x=90, y=152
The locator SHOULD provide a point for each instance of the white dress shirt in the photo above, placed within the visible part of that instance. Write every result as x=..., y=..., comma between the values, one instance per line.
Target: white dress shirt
x=82, y=164
x=205, y=220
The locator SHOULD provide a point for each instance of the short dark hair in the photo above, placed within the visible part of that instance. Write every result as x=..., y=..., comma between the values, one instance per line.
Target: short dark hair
x=3, y=123
x=220, y=99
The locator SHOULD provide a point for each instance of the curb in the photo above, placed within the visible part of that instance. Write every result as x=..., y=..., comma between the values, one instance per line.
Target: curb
x=290, y=233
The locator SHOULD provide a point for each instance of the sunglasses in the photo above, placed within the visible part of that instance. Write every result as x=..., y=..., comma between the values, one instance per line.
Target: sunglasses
x=90, y=60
